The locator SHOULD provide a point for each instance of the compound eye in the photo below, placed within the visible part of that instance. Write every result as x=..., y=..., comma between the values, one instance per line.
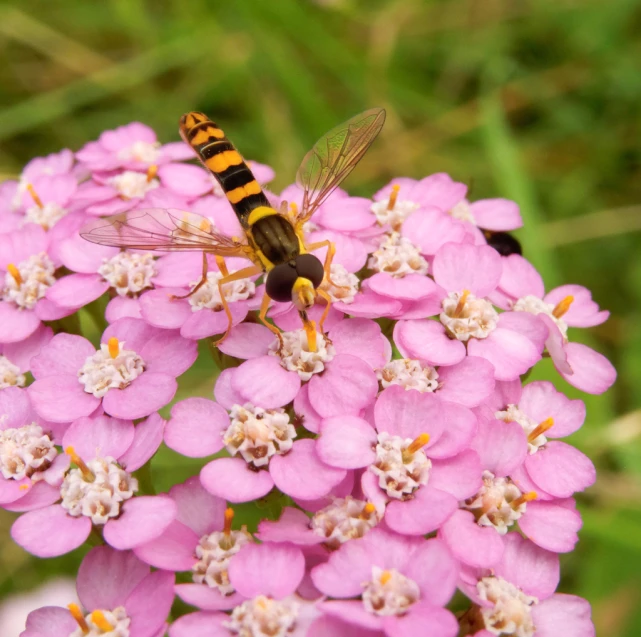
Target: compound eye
x=280, y=282
x=505, y=244
x=308, y=266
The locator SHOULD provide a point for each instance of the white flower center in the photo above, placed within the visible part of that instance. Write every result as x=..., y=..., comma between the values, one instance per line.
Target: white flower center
x=263, y=617
x=30, y=280
x=47, y=216
x=97, y=496
x=25, y=452
x=342, y=286
x=344, y=519
x=214, y=552
x=498, y=503
x=395, y=216
x=145, y=152
x=410, y=374
x=129, y=273
x=389, y=592
x=535, y=305
x=296, y=357
x=462, y=212
x=10, y=375
x=514, y=414
x=102, y=371
x=99, y=622
x=464, y=316
x=133, y=185
x=399, y=473
x=397, y=256
x=208, y=296
x=257, y=434
x=511, y=613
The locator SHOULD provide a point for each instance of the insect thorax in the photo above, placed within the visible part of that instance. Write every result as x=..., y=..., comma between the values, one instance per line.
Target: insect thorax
x=275, y=237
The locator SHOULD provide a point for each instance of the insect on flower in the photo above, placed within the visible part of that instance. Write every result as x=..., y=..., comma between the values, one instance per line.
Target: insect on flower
x=273, y=239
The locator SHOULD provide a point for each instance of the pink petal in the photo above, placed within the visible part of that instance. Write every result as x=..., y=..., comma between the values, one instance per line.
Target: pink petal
x=593, y=372
x=459, y=267
x=423, y=618
x=520, y=278
x=551, y=526
x=425, y=512
x=64, y=354
x=292, y=526
x=201, y=596
x=370, y=305
x=15, y=407
x=50, y=532
x=47, y=310
x=274, y=570
x=159, y=309
x=430, y=229
x=231, y=479
x=150, y=602
x=328, y=626
x=247, y=340
x=346, y=215
x=265, y=383
x=301, y=474
x=17, y=324
x=421, y=309
x=197, y=508
x=540, y=401
x=144, y=518
x=472, y=544
x=346, y=442
x=99, y=437
x=184, y=179
x=39, y=496
x=148, y=393
x=133, y=332
x=563, y=616
x=21, y=353
x=361, y=338
x=196, y=427
x=148, y=436
x=206, y=323
x=460, y=475
x=172, y=551
x=122, y=307
x=468, y=383
x=427, y=340
x=408, y=288
x=49, y=621
x=303, y=409
x=460, y=426
x=168, y=353
x=61, y=398
x=178, y=269
x=527, y=324
x=498, y=215
x=12, y=490
x=583, y=312
x=81, y=256
x=353, y=612
x=502, y=446
x=76, y=290
x=225, y=395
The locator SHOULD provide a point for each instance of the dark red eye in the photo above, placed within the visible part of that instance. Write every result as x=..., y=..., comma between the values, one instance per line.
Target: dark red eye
x=308, y=266
x=280, y=282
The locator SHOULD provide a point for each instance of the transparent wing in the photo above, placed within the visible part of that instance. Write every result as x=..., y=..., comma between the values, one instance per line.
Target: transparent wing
x=161, y=230
x=334, y=156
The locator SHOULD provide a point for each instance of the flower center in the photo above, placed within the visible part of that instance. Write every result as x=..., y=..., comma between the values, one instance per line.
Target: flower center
x=257, y=434
x=511, y=610
x=535, y=305
x=499, y=503
x=296, y=357
x=96, y=489
x=214, y=552
x=464, y=316
x=535, y=432
x=397, y=256
x=410, y=374
x=401, y=465
x=208, y=295
x=129, y=273
x=10, y=375
x=111, y=366
x=133, y=185
x=461, y=211
x=389, y=592
x=344, y=519
x=263, y=617
x=100, y=623
x=144, y=152
x=46, y=215
x=342, y=285
x=393, y=211
x=25, y=452
x=26, y=283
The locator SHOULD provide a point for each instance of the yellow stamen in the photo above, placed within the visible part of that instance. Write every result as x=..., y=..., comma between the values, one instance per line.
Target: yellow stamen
x=76, y=613
x=310, y=330
x=294, y=208
x=114, y=347
x=386, y=576
x=229, y=517
x=563, y=306
x=98, y=618
x=368, y=509
x=526, y=497
x=34, y=196
x=393, y=196
x=418, y=443
x=15, y=273
x=24, y=487
x=540, y=429
x=152, y=171
x=205, y=225
x=80, y=463
x=458, y=310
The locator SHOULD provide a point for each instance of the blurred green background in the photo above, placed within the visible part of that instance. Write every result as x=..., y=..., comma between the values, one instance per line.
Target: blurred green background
x=535, y=101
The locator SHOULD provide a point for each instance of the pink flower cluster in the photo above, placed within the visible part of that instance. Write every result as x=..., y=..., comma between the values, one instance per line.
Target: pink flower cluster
x=415, y=458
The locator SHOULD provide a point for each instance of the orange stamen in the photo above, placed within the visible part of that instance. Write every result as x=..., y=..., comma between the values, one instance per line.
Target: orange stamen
x=205, y=225
x=458, y=310
x=34, y=196
x=98, y=618
x=80, y=463
x=526, y=497
x=24, y=487
x=229, y=517
x=76, y=613
x=113, y=346
x=393, y=196
x=562, y=306
x=386, y=576
x=368, y=509
x=414, y=446
x=152, y=171
x=15, y=273
x=540, y=429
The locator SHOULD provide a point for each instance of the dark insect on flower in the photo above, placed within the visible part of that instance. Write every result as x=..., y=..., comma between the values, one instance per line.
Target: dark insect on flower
x=505, y=244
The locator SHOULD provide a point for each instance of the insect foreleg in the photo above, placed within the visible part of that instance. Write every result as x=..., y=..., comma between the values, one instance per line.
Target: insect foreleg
x=200, y=283
x=262, y=316
x=329, y=257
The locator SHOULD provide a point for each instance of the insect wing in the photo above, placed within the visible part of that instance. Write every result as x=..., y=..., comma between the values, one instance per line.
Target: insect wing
x=160, y=230
x=334, y=156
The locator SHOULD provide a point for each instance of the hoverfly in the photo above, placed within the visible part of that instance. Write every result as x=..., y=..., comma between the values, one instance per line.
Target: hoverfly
x=273, y=239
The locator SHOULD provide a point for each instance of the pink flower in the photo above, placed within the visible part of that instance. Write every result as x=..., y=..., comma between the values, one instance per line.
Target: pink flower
x=15, y=358
x=130, y=376
x=402, y=584
x=119, y=595
x=99, y=491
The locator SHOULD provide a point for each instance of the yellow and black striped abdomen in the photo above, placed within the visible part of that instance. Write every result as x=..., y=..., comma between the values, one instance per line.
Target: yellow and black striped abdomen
x=220, y=156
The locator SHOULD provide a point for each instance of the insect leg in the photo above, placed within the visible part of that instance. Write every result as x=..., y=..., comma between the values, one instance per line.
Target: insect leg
x=262, y=316
x=329, y=257
x=321, y=321
x=200, y=283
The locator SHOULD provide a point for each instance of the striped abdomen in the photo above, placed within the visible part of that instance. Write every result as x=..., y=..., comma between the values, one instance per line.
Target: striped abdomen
x=218, y=154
